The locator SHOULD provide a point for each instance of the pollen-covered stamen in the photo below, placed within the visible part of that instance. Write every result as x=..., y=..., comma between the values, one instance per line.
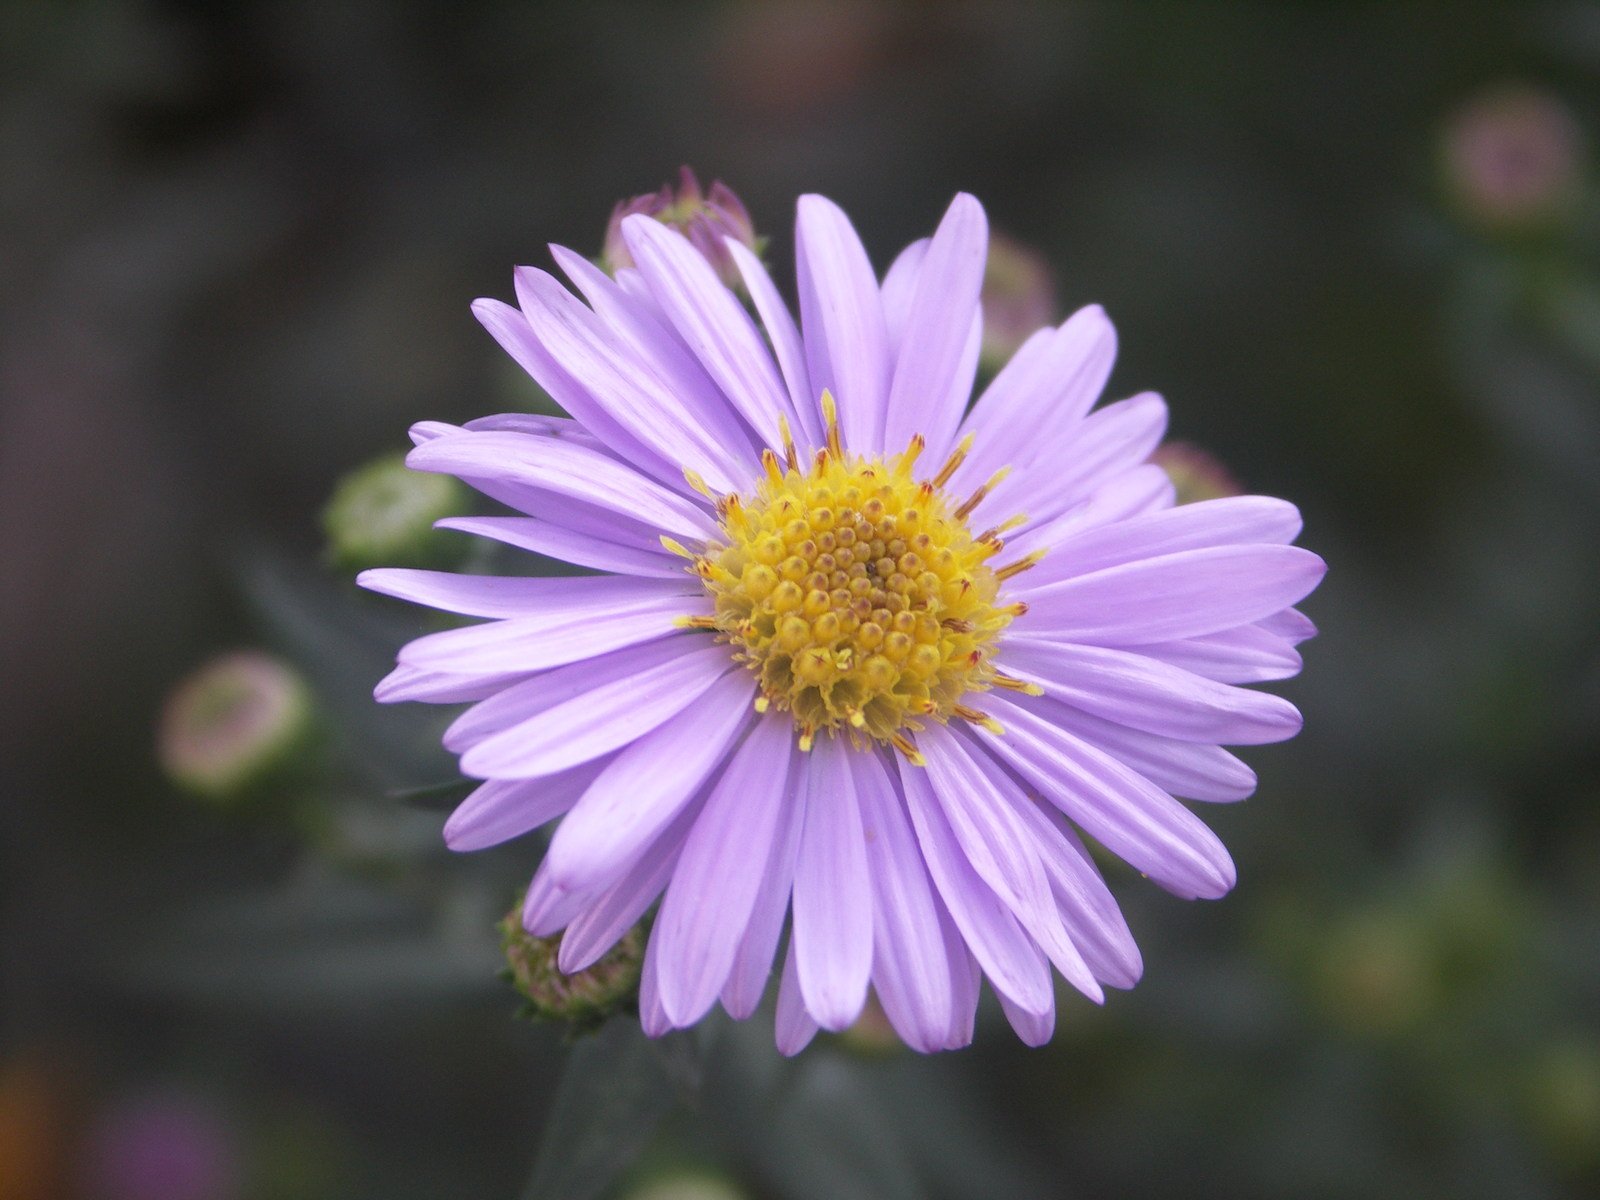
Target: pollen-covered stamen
x=855, y=594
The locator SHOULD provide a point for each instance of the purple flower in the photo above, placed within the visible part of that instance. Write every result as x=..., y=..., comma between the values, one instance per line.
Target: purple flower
x=856, y=662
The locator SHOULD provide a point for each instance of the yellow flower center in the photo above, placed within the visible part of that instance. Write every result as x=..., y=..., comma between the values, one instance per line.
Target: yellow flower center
x=857, y=595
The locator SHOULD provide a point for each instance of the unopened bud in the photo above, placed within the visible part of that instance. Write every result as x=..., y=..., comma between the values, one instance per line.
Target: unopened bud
x=704, y=218
x=1196, y=474
x=382, y=514
x=1019, y=297
x=1514, y=160
x=584, y=1000
x=237, y=725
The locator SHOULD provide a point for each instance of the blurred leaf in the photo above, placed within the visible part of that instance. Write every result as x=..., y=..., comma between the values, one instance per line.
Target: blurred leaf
x=617, y=1086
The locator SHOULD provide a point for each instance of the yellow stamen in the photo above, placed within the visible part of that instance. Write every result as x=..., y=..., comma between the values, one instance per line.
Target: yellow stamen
x=957, y=457
x=830, y=420
x=1022, y=564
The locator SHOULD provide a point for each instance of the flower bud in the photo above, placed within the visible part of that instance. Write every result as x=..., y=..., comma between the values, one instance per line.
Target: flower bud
x=237, y=725
x=584, y=1000
x=1196, y=474
x=1513, y=160
x=1019, y=296
x=705, y=219
x=382, y=514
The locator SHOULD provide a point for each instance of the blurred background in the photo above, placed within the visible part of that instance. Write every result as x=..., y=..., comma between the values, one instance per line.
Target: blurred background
x=1358, y=249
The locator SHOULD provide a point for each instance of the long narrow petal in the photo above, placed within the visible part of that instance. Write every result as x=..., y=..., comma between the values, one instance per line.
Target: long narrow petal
x=910, y=970
x=713, y=323
x=1116, y=806
x=922, y=398
x=440, y=687
x=514, y=595
x=1193, y=770
x=752, y=962
x=714, y=889
x=832, y=891
x=567, y=469
x=502, y=809
x=841, y=313
x=552, y=639
x=899, y=287
x=1145, y=693
x=787, y=347
x=965, y=978
x=1087, y=906
x=647, y=785
x=598, y=721
x=794, y=1026
x=569, y=546
x=1006, y=953
x=1188, y=594
x=1247, y=654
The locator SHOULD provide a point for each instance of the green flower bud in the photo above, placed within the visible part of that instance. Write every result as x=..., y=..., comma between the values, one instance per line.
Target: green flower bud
x=382, y=515
x=237, y=726
x=584, y=1000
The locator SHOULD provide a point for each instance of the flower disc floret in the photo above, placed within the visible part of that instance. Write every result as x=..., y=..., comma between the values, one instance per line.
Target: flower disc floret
x=857, y=594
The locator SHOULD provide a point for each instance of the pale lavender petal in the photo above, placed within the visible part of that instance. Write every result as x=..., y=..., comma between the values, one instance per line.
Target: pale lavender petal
x=841, y=313
x=794, y=1026
x=547, y=909
x=652, y=1017
x=650, y=336
x=984, y=807
x=532, y=695
x=567, y=469
x=599, y=926
x=1143, y=490
x=555, y=638
x=1006, y=953
x=541, y=424
x=1184, y=595
x=752, y=963
x=714, y=889
x=1090, y=912
x=1194, y=770
x=439, y=687
x=643, y=789
x=713, y=323
x=1047, y=387
x=1072, y=466
x=832, y=891
x=510, y=328
x=1235, y=520
x=630, y=393
x=899, y=286
x=1034, y=1029
x=927, y=393
x=1119, y=808
x=910, y=971
x=1291, y=624
x=570, y=546
x=965, y=977
x=1248, y=654
x=1147, y=694
x=502, y=809
x=517, y=595
x=598, y=721
x=787, y=347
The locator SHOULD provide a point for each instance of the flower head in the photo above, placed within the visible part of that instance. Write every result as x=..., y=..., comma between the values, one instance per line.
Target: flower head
x=855, y=662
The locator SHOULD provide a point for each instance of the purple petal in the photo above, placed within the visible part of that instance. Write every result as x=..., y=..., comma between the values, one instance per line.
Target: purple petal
x=1291, y=624
x=1184, y=595
x=599, y=721
x=1006, y=953
x=439, y=687
x=652, y=1017
x=909, y=968
x=1035, y=1029
x=1087, y=907
x=713, y=892
x=711, y=321
x=567, y=545
x=786, y=344
x=502, y=809
x=1131, y=689
x=965, y=976
x=899, y=286
x=646, y=786
x=928, y=391
x=567, y=469
x=557, y=637
x=847, y=343
x=832, y=891
x=794, y=1026
x=515, y=595
x=1119, y=808
x=1195, y=770
x=1248, y=654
